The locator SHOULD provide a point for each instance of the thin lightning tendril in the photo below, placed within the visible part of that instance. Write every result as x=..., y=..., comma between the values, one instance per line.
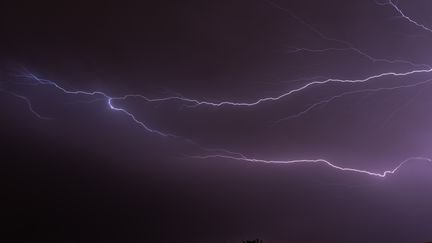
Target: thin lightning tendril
x=28, y=102
x=347, y=45
x=332, y=98
x=409, y=19
x=372, y=59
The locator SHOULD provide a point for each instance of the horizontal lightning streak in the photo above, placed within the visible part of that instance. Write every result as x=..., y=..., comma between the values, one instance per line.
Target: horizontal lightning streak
x=305, y=86
x=330, y=99
x=315, y=161
x=224, y=154
x=109, y=100
x=221, y=153
x=196, y=102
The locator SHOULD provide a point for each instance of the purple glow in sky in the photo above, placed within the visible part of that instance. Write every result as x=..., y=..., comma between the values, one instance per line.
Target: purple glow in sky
x=318, y=98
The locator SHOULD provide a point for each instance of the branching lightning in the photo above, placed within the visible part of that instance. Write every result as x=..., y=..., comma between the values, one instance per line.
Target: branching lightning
x=330, y=99
x=225, y=154
x=417, y=69
x=195, y=102
x=102, y=96
x=347, y=46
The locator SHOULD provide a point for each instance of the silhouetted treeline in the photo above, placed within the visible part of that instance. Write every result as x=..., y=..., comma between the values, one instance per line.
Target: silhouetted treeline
x=253, y=241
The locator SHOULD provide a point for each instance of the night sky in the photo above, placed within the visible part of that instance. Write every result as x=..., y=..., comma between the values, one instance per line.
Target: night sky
x=284, y=120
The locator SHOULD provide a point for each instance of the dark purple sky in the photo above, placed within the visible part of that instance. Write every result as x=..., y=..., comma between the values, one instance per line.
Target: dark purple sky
x=91, y=174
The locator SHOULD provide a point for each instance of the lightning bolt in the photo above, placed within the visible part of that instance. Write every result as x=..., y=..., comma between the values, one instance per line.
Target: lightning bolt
x=102, y=96
x=347, y=45
x=196, y=102
x=328, y=100
x=226, y=154
x=315, y=161
x=406, y=17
